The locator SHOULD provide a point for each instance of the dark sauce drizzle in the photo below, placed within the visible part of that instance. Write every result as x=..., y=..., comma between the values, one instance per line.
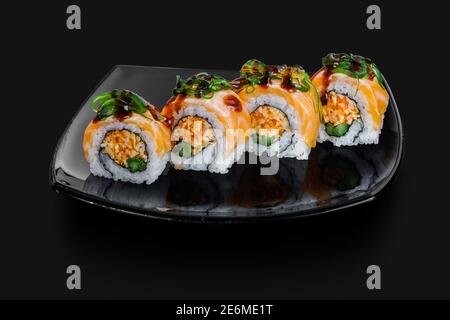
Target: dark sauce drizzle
x=232, y=102
x=327, y=76
x=171, y=109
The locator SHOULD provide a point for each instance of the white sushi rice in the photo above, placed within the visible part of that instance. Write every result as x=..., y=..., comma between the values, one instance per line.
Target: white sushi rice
x=103, y=166
x=361, y=131
x=213, y=157
x=291, y=143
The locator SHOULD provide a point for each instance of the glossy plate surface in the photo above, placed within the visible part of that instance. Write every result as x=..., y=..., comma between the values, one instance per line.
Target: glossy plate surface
x=333, y=178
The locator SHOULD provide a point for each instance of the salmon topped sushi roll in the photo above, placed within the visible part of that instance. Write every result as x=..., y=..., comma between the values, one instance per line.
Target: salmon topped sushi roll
x=354, y=100
x=127, y=140
x=283, y=106
x=209, y=124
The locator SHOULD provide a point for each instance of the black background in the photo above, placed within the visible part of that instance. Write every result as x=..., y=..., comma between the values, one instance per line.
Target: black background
x=48, y=71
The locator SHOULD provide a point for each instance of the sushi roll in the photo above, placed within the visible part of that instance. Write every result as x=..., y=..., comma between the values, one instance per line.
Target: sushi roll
x=127, y=140
x=283, y=106
x=209, y=124
x=353, y=99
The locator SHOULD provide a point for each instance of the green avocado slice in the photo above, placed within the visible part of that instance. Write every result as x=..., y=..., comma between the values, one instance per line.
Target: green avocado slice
x=337, y=131
x=185, y=150
x=263, y=139
x=136, y=165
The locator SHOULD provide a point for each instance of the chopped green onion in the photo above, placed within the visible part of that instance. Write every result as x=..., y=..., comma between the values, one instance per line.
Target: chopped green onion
x=106, y=111
x=351, y=65
x=377, y=73
x=317, y=105
x=254, y=72
x=201, y=85
x=250, y=89
x=109, y=103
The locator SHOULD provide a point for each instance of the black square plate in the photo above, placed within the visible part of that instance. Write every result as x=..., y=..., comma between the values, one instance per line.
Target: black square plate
x=332, y=179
